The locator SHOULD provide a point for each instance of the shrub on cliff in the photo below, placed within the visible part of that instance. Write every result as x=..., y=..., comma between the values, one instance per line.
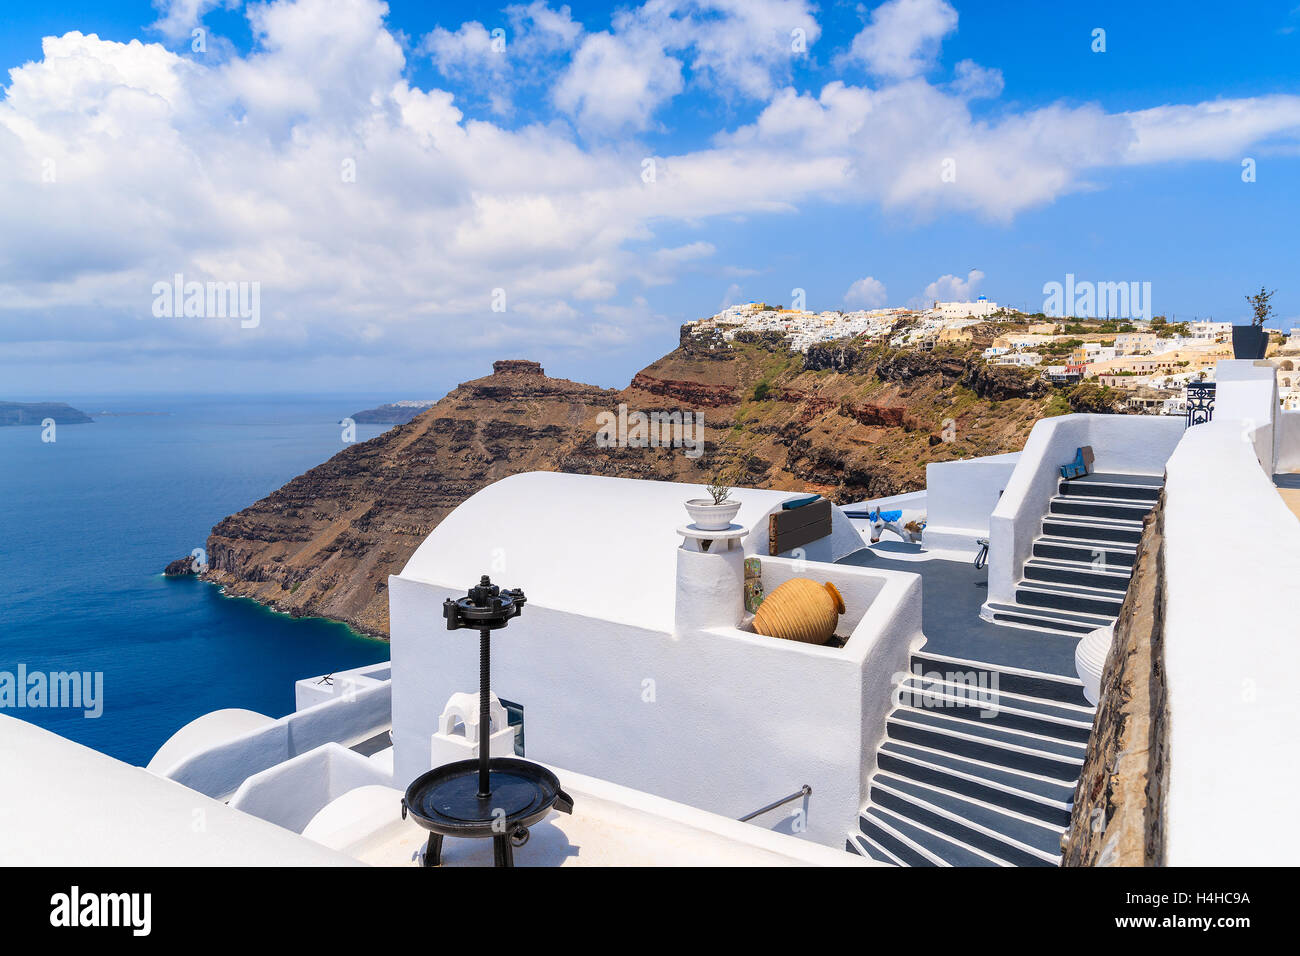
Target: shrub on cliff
x=1094, y=398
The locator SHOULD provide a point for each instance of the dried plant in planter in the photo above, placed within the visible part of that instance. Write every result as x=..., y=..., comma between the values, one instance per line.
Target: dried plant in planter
x=718, y=489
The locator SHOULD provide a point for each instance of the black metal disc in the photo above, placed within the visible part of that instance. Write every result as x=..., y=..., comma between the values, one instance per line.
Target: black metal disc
x=445, y=799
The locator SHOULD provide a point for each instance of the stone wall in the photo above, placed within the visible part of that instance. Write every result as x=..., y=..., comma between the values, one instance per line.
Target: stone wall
x=1119, y=802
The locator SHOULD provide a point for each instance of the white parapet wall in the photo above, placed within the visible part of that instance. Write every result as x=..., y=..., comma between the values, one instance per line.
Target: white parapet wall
x=214, y=754
x=1231, y=648
x=1122, y=444
x=960, y=497
x=291, y=793
x=1246, y=392
x=311, y=691
x=615, y=684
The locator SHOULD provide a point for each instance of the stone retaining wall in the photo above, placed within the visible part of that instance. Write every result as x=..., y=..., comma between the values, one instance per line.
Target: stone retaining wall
x=1119, y=802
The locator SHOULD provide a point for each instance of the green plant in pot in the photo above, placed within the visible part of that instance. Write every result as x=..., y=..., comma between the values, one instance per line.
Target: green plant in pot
x=1251, y=341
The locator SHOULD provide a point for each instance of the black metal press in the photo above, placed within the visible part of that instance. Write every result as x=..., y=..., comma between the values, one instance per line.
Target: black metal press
x=500, y=797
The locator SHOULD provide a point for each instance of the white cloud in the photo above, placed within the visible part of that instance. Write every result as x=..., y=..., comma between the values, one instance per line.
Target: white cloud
x=731, y=297
x=972, y=81
x=618, y=81
x=866, y=293
x=498, y=60
x=128, y=163
x=951, y=288
x=744, y=45
x=178, y=17
x=902, y=39
x=1219, y=129
x=538, y=27
x=467, y=50
x=620, y=78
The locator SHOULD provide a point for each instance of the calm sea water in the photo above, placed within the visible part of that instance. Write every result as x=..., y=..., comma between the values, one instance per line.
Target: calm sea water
x=87, y=524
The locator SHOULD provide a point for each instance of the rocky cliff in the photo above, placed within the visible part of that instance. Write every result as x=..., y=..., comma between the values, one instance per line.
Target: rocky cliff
x=843, y=420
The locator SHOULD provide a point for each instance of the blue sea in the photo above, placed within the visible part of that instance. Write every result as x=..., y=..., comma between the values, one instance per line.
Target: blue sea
x=88, y=522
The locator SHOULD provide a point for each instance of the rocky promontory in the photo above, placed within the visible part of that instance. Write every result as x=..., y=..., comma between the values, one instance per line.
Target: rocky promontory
x=847, y=420
x=180, y=568
x=35, y=413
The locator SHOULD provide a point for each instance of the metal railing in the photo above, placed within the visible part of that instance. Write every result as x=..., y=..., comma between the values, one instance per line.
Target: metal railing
x=1200, y=402
x=803, y=791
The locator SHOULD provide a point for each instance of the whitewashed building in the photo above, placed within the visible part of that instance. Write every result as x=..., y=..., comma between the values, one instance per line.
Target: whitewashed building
x=979, y=309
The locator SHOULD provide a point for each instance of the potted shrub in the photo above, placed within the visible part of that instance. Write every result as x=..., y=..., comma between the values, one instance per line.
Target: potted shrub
x=715, y=512
x=1251, y=341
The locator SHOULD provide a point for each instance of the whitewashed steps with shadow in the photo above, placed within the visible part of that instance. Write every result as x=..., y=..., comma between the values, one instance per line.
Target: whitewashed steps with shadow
x=1003, y=677
x=972, y=825
x=1081, y=562
x=978, y=767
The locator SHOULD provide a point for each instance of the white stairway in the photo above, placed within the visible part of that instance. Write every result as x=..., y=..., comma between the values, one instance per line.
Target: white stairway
x=1081, y=562
x=978, y=767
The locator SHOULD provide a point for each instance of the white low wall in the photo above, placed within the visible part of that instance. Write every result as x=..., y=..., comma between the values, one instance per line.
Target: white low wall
x=1231, y=654
x=1246, y=392
x=218, y=769
x=311, y=691
x=961, y=496
x=1122, y=444
x=720, y=719
x=291, y=793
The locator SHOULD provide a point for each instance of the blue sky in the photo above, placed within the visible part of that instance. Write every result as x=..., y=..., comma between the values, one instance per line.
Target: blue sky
x=516, y=176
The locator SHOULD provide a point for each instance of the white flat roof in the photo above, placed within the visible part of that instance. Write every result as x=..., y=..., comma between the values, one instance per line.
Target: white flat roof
x=611, y=825
x=63, y=804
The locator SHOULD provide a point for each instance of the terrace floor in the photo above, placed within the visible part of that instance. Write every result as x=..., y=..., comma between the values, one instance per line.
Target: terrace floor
x=951, y=595
x=1288, y=486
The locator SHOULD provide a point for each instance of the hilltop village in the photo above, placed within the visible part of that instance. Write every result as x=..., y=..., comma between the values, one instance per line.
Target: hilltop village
x=1148, y=362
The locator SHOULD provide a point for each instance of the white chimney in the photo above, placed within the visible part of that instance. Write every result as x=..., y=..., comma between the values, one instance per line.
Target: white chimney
x=710, y=579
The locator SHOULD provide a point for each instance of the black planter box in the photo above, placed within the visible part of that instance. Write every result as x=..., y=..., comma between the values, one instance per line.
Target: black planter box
x=1249, y=341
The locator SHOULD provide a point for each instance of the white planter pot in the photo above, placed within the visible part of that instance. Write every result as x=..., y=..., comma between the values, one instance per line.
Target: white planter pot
x=710, y=517
x=1090, y=660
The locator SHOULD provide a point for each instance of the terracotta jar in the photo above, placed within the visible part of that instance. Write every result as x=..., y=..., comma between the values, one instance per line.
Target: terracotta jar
x=800, y=610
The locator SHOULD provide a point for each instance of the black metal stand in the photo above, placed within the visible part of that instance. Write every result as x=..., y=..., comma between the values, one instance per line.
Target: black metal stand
x=433, y=850
x=484, y=713
x=457, y=799
x=503, y=853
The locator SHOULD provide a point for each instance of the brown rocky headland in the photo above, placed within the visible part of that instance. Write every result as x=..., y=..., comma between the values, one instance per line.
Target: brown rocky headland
x=848, y=420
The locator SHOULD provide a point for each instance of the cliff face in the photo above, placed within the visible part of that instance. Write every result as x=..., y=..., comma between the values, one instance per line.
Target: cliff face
x=846, y=421
x=325, y=543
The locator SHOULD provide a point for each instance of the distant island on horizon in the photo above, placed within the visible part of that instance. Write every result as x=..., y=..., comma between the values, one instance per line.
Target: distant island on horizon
x=393, y=413
x=34, y=413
